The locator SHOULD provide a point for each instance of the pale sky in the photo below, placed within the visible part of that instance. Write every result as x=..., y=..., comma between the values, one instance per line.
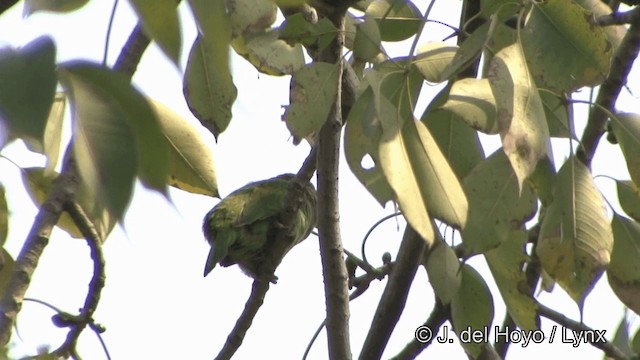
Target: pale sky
x=156, y=304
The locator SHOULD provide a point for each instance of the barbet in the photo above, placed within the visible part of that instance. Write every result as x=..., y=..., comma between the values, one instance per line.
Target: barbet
x=244, y=227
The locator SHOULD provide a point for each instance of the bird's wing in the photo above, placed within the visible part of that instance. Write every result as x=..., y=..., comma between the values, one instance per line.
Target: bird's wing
x=219, y=249
x=262, y=202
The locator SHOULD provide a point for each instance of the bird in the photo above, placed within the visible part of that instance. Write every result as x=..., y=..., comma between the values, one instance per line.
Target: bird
x=244, y=227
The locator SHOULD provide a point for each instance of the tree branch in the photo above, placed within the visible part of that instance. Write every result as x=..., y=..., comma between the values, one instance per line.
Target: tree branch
x=331, y=251
x=96, y=284
x=439, y=315
x=610, y=89
x=63, y=190
x=609, y=349
x=395, y=295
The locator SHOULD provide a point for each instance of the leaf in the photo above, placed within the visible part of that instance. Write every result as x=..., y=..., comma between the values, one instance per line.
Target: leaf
x=471, y=308
x=575, y=240
x=397, y=20
x=469, y=50
x=433, y=58
x=473, y=101
x=191, y=165
x=558, y=115
x=313, y=92
x=269, y=54
x=59, y=6
x=361, y=137
x=626, y=127
x=38, y=182
x=208, y=87
x=296, y=29
x=6, y=268
x=249, y=16
x=492, y=192
x=116, y=135
x=623, y=271
x=4, y=216
x=614, y=33
x=521, y=118
x=629, y=198
x=543, y=180
x=506, y=263
x=565, y=50
x=421, y=177
x=621, y=338
x=53, y=131
x=443, y=268
x=366, y=45
x=458, y=142
x=27, y=89
x=160, y=21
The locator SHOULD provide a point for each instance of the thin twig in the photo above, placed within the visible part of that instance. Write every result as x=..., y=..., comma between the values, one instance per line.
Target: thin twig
x=439, y=315
x=395, y=295
x=609, y=349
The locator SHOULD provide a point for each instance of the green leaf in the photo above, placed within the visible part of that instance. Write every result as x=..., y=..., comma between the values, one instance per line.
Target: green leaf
x=366, y=45
x=521, y=118
x=623, y=271
x=269, y=54
x=160, y=21
x=397, y=20
x=543, y=180
x=629, y=198
x=4, y=216
x=626, y=127
x=615, y=33
x=59, y=6
x=296, y=29
x=191, y=165
x=621, y=338
x=458, y=142
x=53, y=131
x=116, y=135
x=443, y=268
x=558, y=115
x=208, y=87
x=506, y=263
x=494, y=198
x=250, y=16
x=575, y=240
x=433, y=58
x=564, y=49
x=471, y=308
x=313, y=92
x=27, y=89
x=361, y=138
x=473, y=101
x=469, y=50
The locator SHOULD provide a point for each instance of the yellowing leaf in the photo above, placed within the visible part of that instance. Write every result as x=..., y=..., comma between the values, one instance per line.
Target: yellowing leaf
x=433, y=58
x=191, y=166
x=248, y=16
x=313, y=92
x=473, y=101
x=575, y=240
x=60, y=6
x=366, y=45
x=269, y=54
x=521, y=118
x=506, y=263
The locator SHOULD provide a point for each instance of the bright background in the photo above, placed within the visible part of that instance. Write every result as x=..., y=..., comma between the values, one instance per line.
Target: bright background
x=156, y=304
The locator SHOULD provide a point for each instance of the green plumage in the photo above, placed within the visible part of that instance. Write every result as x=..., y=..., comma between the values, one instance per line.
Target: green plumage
x=243, y=227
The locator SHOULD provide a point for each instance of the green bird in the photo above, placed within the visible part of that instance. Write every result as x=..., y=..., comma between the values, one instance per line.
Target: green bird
x=243, y=228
